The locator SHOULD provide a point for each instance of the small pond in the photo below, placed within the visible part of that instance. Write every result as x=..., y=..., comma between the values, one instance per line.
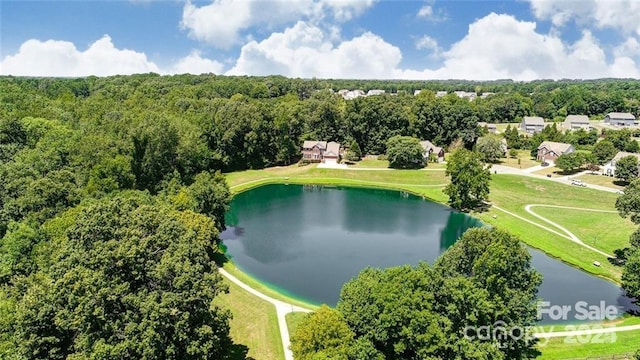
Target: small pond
x=307, y=241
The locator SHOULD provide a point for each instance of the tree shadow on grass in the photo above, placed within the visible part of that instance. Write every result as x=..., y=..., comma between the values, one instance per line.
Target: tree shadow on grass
x=239, y=352
x=619, y=182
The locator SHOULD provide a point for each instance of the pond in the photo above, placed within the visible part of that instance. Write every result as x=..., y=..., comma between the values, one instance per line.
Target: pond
x=307, y=241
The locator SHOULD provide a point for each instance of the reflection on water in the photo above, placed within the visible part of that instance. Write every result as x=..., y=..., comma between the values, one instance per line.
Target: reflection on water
x=310, y=240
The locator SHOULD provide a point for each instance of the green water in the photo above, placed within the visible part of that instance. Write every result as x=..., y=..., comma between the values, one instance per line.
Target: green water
x=310, y=240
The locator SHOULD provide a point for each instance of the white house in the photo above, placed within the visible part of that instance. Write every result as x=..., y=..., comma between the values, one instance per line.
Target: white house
x=609, y=168
x=620, y=119
x=575, y=122
x=532, y=124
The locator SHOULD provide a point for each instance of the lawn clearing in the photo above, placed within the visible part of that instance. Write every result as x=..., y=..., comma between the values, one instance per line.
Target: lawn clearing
x=371, y=163
x=513, y=193
x=554, y=171
x=602, y=180
x=526, y=161
x=604, y=231
x=596, y=346
x=254, y=324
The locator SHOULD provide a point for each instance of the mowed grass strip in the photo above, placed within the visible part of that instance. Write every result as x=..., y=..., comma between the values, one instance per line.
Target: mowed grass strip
x=604, y=231
x=601, y=346
x=254, y=323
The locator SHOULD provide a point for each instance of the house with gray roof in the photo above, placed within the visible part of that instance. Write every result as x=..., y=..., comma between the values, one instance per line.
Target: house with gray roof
x=429, y=149
x=532, y=124
x=620, y=119
x=321, y=151
x=550, y=150
x=575, y=122
x=491, y=128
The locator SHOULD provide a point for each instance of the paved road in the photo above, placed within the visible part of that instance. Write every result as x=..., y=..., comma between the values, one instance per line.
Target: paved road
x=282, y=309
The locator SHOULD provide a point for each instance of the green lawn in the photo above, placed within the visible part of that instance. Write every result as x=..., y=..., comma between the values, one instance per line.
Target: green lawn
x=513, y=192
x=604, y=346
x=604, y=231
x=371, y=163
x=601, y=347
x=254, y=327
x=526, y=161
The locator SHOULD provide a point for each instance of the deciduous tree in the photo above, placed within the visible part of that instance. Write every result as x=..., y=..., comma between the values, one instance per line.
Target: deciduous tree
x=405, y=152
x=469, y=185
x=627, y=168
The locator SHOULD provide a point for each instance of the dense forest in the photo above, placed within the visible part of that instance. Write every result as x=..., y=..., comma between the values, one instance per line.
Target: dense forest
x=111, y=198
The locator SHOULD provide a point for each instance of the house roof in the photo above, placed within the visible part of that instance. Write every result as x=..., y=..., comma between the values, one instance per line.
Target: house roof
x=582, y=119
x=428, y=147
x=308, y=144
x=533, y=120
x=333, y=149
x=621, y=116
x=556, y=147
x=622, y=154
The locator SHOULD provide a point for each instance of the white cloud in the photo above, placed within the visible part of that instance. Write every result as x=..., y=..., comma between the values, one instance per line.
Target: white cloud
x=221, y=22
x=629, y=48
x=102, y=58
x=217, y=23
x=429, y=13
x=195, y=64
x=500, y=47
x=62, y=58
x=426, y=11
x=426, y=42
x=304, y=51
x=622, y=15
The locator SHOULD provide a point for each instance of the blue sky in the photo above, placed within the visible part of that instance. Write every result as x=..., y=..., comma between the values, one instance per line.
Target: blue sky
x=522, y=40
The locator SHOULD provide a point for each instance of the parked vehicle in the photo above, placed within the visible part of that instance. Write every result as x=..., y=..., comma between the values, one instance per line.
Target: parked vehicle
x=578, y=183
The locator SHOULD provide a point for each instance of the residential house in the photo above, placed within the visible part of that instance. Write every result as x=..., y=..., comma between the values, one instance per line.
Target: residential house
x=491, y=128
x=416, y=92
x=375, y=92
x=609, y=168
x=532, y=124
x=321, y=151
x=441, y=94
x=620, y=119
x=550, y=150
x=332, y=154
x=429, y=149
x=575, y=122
x=466, y=95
